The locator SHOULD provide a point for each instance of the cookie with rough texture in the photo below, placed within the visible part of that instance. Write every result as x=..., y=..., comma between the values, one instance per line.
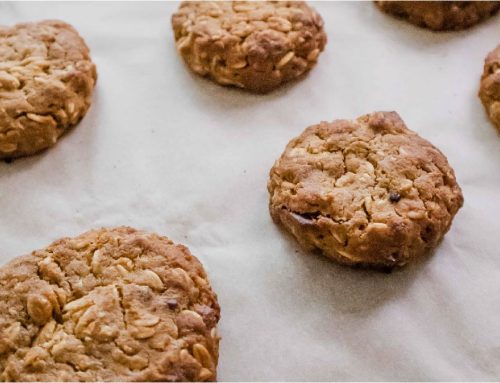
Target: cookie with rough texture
x=46, y=84
x=489, y=91
x=441, y=15
x=252, y=45
x=368, y=192
x=109, y=305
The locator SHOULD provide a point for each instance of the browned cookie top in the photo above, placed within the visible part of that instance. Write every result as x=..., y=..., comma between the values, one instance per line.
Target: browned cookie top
x=111, y=304
x=441, y=15
x=489, y=91
x=252, y=45
x=364, y=192
x=46, y=84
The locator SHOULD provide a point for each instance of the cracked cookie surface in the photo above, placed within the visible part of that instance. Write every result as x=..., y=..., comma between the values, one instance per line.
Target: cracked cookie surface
x=368, y=192
x=109, y=305
x=252, y=45
x=441, y=15
x=489, y=90
x=46, y=83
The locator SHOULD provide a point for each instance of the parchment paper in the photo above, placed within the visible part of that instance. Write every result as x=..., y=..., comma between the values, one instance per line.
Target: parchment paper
x=164, y=150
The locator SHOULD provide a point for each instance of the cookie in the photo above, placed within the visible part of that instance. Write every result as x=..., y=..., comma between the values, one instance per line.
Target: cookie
x=368, y=192
x=252, y=45
x=489, y=90
x=46, y=84
x=441, y=15
x=109, y=305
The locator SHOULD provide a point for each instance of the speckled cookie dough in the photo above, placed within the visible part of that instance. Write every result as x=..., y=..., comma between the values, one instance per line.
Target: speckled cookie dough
x=368, y=192
x=252, y=45
x=46, y=84
x=441, y=15
x=109, y=305
x=489, y=90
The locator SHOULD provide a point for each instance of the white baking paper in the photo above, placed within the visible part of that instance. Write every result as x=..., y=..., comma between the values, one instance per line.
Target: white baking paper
x=164, y=150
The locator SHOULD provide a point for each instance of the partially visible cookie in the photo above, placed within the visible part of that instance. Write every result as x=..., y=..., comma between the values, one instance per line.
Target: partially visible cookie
x=109, y=305
x=368, y=192
x=441, y=15
x=489, y=90
x=46, y=83
x=255, y=45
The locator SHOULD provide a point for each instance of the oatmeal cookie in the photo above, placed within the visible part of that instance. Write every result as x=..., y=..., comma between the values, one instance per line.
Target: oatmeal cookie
x=489, y=91
x=253, y=45
x=109, y=305
x=46, y=84
x=441, y=15
x=368, y=192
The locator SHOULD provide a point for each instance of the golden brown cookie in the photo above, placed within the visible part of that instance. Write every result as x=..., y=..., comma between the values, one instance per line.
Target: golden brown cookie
x=252, y=45
x=441, y=15
x=368, y=192
x=109, y=305
x=46, y=84
x=489, y=90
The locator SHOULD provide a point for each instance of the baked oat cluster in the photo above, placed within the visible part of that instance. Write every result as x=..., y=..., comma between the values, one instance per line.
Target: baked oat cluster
x=368, y=192
x=489, y=91
x=253, y=45
x=441, y=15
x=46, y=84
x=109, y=305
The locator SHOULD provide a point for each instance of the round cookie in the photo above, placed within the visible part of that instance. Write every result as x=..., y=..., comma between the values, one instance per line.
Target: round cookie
x=252, y=45
x=368, y=192
x=441, y=15
x=109, y=305
x=46, y=84
x=489, y=91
